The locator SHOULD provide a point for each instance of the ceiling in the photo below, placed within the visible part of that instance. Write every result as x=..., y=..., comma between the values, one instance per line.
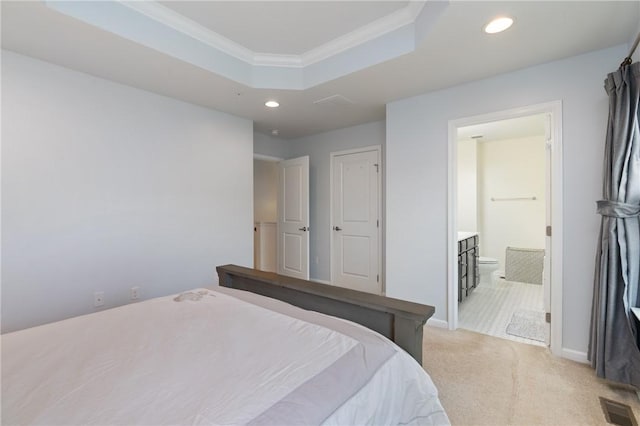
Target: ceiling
x=291, y=27
x=233, y=56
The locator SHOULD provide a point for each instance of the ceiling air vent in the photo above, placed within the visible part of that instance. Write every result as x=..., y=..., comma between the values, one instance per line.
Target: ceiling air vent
x=334, y=101
x=617, y=413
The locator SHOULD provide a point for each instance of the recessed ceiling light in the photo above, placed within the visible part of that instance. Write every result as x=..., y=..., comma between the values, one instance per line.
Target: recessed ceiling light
x=275, y=132
x=272, y=104
x=498, y=25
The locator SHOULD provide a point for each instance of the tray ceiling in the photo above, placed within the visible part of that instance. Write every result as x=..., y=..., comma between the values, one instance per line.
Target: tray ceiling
x=439, y=44
x=283, y=27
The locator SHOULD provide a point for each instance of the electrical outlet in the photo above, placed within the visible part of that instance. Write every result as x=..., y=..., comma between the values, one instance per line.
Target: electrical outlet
x=135, y=293
x=98, y=298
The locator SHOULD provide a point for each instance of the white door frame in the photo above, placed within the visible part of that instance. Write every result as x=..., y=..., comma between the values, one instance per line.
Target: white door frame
x=554, y=109
x=377, y=148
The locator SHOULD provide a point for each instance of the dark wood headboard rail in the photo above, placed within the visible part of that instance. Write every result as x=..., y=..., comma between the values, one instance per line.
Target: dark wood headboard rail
x=398, y=320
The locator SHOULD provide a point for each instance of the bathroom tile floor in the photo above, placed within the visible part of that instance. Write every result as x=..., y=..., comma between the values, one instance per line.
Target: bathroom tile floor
x=489, y=308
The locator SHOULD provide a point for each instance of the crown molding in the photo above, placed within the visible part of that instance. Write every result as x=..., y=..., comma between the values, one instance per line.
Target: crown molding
x=158, y=27
x=373, y=30
x=184, y=25
x=361, y=35
x=277, y=60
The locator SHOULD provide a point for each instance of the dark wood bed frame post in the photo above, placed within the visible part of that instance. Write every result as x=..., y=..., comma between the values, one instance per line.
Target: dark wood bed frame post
x=398, y=320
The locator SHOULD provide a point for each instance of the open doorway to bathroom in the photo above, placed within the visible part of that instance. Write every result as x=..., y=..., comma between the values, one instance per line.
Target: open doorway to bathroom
x=502, y=202
x=500, y=211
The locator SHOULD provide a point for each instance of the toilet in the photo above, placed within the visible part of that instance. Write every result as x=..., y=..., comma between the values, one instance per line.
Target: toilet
x=487, y=267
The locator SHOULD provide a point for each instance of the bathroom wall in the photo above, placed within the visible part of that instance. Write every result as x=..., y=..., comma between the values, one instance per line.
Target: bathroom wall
x=511, y=168
x=467, y=185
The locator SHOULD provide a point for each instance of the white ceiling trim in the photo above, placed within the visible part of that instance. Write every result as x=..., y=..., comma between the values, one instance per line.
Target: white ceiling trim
x=181, y=23
x=166, y=16
x=398, y=19
x=160, y=28
x=277, y=60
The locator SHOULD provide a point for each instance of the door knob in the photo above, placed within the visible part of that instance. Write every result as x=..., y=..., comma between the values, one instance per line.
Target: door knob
x=303, y=229
x=337, y=228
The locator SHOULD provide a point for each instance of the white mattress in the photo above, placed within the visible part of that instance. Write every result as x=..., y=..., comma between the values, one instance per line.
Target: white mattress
x=227, y=358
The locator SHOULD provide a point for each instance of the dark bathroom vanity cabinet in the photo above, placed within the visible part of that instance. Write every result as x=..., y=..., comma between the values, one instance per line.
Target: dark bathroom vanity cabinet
x=468, y=271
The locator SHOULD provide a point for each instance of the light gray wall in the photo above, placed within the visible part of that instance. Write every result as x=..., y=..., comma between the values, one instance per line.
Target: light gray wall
x=319, y=148
x=417, y=167
x=271, y=146
x=636, y=54
x=105, y=187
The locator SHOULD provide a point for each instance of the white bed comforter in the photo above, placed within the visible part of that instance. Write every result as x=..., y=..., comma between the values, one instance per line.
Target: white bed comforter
x=225, y=358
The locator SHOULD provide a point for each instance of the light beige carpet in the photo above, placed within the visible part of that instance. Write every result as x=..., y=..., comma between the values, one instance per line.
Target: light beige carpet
x=485, y=380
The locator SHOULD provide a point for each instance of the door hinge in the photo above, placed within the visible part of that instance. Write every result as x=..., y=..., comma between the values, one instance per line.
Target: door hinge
x=547, y=317
x=377, y=168
x=377, y=278
x=548, y=231
x=378, y=223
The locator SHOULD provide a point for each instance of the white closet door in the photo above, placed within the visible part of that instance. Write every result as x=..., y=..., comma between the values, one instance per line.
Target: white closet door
x=293, y=218
x=355, y=220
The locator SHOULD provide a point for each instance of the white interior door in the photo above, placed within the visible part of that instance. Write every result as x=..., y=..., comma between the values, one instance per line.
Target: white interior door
x=293, y=218
x=356, y=220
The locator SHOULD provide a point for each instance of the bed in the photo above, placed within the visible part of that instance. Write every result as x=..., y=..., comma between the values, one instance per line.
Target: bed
x=226, y=356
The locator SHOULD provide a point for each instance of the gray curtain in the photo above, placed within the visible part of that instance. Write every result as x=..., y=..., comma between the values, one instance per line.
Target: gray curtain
x=613, y=346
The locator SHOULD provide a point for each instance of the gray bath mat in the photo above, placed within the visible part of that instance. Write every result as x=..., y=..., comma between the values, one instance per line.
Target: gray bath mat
x=528, y=324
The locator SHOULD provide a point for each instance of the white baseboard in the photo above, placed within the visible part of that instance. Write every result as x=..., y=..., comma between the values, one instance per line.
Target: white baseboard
x=434, y=322
x=320, y=281
x=575, y=355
